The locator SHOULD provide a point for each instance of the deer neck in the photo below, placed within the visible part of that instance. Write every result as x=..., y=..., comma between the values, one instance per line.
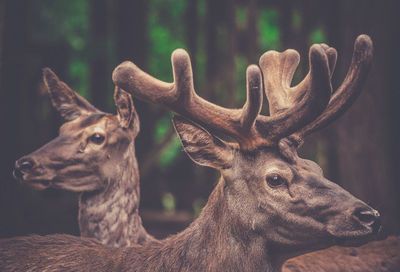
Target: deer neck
x=237, y=246
x=212, y=243
x=111, y=215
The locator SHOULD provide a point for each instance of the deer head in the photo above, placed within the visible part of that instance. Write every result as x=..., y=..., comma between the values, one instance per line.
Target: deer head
x=94, y=154
x=90, y=145
x=266, y=190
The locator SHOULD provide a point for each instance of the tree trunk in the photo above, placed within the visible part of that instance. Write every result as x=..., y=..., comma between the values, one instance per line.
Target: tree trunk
x=132, y=44
x=191, y=30
x=98, y=63
x=211, y=50
x=132, y=41
x=252, y=32
x=285, y=24
x=2, y=14
x=231, y=75
x=362, y=134
x=14, y=53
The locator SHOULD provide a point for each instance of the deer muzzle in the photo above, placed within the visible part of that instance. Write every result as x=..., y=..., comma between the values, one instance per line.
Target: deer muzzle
x=23, y=166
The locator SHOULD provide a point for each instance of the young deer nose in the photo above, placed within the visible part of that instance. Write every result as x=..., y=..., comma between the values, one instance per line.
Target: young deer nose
x=369, y=217
x=22, y=166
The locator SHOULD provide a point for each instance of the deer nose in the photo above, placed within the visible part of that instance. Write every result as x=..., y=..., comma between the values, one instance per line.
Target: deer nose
x=369, y=217
x=22, y=166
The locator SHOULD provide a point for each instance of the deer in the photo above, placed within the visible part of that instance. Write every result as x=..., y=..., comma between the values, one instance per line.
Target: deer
x=94, y=155
x=374, y=256
x=268, y=205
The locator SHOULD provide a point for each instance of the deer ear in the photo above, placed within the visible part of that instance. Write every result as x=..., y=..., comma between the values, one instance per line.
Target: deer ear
x=202, y=147
x=127, y=115
x=70, y=104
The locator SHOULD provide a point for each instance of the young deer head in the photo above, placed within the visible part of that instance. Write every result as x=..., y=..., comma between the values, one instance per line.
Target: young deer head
x=266, y=191
x=90, y=144
x=94, y=154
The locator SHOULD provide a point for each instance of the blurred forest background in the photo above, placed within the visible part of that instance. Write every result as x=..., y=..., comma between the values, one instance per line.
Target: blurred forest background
x=83, y=40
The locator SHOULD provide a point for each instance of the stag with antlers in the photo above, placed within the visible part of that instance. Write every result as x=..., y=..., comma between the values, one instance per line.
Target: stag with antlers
x=268, y=205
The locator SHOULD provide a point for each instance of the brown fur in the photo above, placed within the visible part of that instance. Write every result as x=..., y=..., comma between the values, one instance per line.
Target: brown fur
x=106, y=174
x=383, y=256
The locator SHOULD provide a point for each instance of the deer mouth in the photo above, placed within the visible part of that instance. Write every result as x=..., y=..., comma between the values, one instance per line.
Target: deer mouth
x=38, y=184
x=43, y=183
x=26, y=178
x=360, y=239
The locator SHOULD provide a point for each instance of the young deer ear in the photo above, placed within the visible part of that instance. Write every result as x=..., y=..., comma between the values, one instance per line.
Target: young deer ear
x=127, y=115
x=70, y=104
x=202, y=147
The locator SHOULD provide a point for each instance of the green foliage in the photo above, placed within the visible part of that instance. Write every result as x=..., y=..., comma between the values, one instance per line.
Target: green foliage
x=170, y=153
x=166, y=34
x=79, y=73
x=318, y=36
x=62, y=21
x=168, y=202
x=222, y=40
x=268, y=29
x=241, y=65
x=65, y=22
x=297, y=19
x=162, y=127
x=201, y=8
x=241, y=17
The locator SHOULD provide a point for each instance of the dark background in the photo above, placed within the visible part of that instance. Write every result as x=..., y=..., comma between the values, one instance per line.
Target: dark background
x=82, y=41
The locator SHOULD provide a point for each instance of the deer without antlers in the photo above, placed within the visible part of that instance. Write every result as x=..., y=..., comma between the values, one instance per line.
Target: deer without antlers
x=94, y=155
x=268, y=205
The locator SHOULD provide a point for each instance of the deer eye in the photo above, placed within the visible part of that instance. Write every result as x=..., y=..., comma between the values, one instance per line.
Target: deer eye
x=97, y=138
x=275, y=181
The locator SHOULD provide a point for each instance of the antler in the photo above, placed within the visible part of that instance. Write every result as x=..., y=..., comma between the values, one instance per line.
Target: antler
x=348, y=91
x=181, y=97
x=306, y=100
x=245, y=125
x=278, y=69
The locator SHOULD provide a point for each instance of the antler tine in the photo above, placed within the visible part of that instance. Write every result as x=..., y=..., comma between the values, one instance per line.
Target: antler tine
x=349, y=90
x=183, y=75
x=297, y=92
x=130, y=77
x=293, y=108
x=252, y=107
x=278, y=70
x=331, y=53
x=180, y=96
x=148, y=88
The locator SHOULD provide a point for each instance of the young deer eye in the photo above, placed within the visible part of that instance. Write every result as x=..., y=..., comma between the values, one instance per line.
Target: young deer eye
x=97, y=138
x=275, y=181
